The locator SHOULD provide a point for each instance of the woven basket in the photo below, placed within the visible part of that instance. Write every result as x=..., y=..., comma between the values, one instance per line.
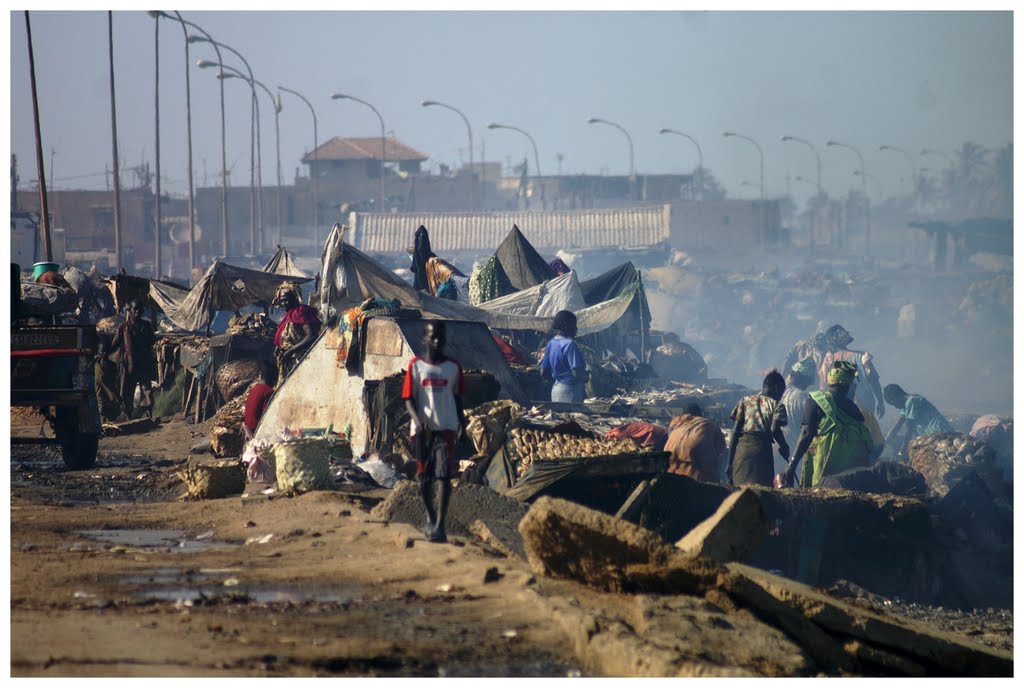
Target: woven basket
x=303, y=465
x=213, y=480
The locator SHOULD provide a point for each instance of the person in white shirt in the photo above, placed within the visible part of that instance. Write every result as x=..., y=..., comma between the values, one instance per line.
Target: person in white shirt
x=433, y=397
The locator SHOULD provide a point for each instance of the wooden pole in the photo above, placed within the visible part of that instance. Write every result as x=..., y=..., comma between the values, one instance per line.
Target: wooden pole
x=113, y=128
x=44, y=208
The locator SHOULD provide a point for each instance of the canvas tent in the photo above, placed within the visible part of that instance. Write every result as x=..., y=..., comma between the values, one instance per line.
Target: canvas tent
x=283, y=264
x=223, y=288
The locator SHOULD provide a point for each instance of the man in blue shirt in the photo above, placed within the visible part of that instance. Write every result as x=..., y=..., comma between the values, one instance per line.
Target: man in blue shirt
x=918, y=417
x=563, y=361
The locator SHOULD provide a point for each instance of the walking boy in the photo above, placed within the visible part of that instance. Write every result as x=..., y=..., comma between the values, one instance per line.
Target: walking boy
x=433, y=397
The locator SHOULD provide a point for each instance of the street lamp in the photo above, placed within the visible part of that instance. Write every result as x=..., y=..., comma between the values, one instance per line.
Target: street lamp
x=156, y=14
x=928, y=151
x=536, y=157
x=276, y=102
x=867, y=201
x=910, y=159
x=255, y=149
x=700, y=158
x=813, y=148
x=729, y=134
x=383, y=134
x=223, y=139
x=254, y=112
x=817, y=157
x=472, y=189
x=315, y=173
x=873, y=178
x=632, y=176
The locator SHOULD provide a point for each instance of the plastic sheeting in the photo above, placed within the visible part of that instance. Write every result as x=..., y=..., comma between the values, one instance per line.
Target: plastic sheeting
x=351, y=277
x=283, y=264
x=223, y=288
x=561, y=293
x=523, y=266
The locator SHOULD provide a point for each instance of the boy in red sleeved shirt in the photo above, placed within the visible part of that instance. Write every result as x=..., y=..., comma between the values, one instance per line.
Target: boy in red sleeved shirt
x=433, y=397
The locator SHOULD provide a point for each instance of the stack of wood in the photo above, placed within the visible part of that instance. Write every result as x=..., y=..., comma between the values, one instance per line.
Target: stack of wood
x=234, y=377
x=227, y=436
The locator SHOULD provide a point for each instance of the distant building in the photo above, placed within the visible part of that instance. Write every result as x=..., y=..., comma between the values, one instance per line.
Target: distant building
x=350, y=159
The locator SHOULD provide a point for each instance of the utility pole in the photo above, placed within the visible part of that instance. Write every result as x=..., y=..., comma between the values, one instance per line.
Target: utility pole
x=113, y=128
x=43, y=207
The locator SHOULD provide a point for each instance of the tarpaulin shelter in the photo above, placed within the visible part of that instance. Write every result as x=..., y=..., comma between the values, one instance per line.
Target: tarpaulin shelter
x=521, y=263
x=223, y=288
x=350, y=277
x=633, y=329
x=322, y=392
x=545, y=299
x=283, y=264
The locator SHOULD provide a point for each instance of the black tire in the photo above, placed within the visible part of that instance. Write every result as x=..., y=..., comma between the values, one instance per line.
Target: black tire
x=79, y=451
x=76, y=448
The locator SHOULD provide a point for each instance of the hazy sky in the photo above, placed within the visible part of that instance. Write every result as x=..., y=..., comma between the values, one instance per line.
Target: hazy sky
x=910, y=79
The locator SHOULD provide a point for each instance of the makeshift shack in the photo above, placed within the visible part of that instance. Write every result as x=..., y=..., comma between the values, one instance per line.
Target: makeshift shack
x=323, y=392
x=223, y=288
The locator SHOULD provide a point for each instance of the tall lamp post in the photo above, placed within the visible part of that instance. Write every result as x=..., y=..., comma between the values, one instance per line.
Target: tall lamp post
x=700, y=158
x=254, y=112
x=255, y=149
x=536, y=157
x=817, y=158
x=813, y=148
x=730, y=134
x=913, y=166
x=383, y=139
x=472, y=167
x=223, y=140
x=276, y=102
x=632, y=175
x=864, y=184
x=315, y=171
x=156, y=14
x=873, y=178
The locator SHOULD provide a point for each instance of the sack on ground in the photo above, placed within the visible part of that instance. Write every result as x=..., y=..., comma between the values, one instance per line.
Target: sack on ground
x=304, y=465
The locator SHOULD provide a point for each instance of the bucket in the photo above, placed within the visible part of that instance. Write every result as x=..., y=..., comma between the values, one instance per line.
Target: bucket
x=40, y=268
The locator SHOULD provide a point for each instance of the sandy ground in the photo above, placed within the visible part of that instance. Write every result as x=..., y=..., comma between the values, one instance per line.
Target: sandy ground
x=309, y=586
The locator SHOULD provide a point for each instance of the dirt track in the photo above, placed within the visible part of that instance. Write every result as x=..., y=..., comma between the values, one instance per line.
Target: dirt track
x=311, y=586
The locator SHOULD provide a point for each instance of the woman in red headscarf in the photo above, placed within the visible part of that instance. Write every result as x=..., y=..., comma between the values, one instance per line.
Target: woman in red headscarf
x=298, y=328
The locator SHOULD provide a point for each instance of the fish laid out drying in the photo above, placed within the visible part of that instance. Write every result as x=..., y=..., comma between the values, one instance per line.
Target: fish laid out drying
x=530, y=445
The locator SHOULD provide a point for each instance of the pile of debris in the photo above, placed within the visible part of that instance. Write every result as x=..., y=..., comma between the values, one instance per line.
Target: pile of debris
x=946, y=458
x=566, y=540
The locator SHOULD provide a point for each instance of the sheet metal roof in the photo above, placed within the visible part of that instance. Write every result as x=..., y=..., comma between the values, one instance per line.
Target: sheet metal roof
x=367, y=148
x=547, y=231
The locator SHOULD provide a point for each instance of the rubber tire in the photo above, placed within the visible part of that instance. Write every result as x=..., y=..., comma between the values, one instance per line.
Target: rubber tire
x=79, y=451
x=76, y=448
